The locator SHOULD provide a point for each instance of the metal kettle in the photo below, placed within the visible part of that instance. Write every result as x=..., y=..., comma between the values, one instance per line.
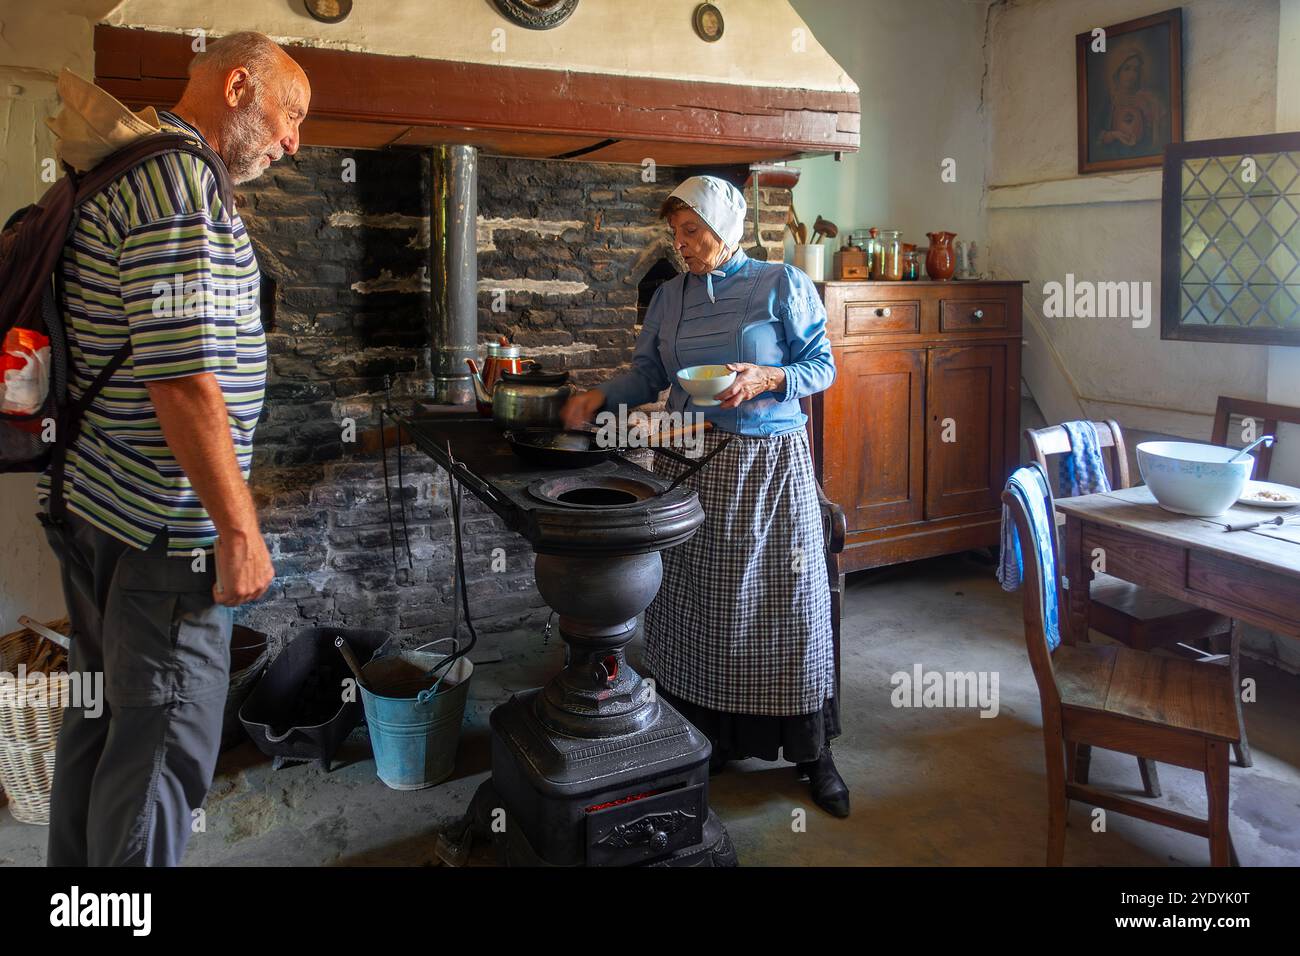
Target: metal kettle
x=530, y=399
x=501, y=357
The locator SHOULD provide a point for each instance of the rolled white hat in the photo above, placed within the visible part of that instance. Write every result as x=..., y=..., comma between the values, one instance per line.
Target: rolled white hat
x=720, y=204
x=92, y=124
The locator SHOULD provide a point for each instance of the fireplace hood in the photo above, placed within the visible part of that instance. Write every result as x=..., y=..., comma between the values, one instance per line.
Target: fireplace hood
x=364, y=99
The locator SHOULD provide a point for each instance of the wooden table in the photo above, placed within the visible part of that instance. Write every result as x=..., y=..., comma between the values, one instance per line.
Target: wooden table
x=1252, y=576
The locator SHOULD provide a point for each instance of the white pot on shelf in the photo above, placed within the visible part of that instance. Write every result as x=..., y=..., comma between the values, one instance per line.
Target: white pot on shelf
x=812, y=260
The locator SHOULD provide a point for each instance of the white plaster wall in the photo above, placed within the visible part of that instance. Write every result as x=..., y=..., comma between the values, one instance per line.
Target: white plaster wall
x=1284, y=363
x=1045, y=221
x=602, y=36
x=920, y=65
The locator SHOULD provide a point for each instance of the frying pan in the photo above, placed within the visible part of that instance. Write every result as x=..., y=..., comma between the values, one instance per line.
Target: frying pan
x=557, y=448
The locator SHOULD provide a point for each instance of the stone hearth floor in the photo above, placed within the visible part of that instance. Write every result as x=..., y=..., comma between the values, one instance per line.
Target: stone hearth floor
x=930, y=786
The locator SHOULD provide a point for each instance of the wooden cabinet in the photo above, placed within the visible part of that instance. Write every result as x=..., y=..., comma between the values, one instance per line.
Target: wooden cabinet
x=921, y=429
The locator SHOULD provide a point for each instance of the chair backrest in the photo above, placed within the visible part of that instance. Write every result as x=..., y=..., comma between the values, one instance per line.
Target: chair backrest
x=1266, y=416
x=1055, y=440
x=1039, y=573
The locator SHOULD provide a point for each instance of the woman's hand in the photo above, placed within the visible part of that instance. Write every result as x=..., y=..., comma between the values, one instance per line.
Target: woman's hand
x=751, y=381
x=582, y=408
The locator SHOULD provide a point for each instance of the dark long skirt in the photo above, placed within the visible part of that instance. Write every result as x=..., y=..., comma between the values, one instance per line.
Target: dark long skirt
x=738, y=736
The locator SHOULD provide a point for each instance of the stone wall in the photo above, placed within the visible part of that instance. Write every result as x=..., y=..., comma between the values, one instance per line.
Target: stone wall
x=562, y=247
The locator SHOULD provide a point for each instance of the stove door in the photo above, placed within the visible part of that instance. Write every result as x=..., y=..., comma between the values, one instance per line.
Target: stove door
x=625, y=834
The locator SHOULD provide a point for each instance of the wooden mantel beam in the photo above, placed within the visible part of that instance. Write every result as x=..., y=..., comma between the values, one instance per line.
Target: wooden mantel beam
x=370, y=100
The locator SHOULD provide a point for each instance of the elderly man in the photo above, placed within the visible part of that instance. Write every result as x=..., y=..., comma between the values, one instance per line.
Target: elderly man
x=160, y=539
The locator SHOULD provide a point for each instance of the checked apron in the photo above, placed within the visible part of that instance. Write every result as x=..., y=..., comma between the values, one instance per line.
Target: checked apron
x=742, y=622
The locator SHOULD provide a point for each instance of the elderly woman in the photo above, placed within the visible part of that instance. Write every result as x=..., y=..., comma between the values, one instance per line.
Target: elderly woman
x=739, y=637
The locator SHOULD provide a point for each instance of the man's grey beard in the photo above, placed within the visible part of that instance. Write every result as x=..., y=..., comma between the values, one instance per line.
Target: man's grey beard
x=247, y=138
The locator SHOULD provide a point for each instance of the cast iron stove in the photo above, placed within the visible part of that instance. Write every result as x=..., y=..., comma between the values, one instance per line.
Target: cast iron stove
x=591, y=769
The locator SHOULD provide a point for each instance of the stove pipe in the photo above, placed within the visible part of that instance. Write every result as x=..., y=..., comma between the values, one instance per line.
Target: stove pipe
x=453, y=272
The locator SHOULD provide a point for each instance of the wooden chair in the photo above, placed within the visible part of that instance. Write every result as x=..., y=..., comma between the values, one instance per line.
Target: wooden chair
x=1267, y=416
x=1133, y=615
x=834, y=528
x=1156, y=708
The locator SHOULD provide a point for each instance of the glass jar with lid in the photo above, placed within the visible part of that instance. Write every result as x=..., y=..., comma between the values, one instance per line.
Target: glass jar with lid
x=887, y=264
x=911, y=265
x=873, y=252
x=911, y=262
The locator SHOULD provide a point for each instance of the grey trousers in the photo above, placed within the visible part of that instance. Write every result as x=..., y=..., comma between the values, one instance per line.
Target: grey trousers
x=127, y=782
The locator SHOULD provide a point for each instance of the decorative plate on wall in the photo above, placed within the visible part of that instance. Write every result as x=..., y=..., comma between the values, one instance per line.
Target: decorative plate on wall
x=329, y=11
x=537, y=14
x=708, y=22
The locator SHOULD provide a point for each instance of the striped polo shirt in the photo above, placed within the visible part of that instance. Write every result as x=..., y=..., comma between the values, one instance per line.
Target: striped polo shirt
x=157, y=259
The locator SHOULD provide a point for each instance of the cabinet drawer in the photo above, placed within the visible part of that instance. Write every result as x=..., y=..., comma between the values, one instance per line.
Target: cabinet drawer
x=966, y=315
x=863, y=318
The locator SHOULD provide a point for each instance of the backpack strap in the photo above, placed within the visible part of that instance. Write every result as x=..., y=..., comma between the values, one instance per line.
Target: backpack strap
x=66, y=428
x=93, y=181
x=88, y=185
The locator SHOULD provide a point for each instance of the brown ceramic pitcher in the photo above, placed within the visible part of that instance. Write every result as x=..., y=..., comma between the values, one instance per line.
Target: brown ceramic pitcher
x=940, y=261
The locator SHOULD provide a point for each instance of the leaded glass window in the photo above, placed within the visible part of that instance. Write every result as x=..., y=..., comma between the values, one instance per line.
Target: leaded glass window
x=1231, y=254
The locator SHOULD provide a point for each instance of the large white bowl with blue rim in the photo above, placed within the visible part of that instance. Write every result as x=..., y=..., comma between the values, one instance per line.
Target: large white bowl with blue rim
x=1193, y=479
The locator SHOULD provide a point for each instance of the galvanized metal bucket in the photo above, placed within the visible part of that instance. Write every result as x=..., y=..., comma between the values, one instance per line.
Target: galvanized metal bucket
x=415, y=718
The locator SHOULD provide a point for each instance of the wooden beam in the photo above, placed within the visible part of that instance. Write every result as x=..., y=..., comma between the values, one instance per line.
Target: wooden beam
x=358, y=99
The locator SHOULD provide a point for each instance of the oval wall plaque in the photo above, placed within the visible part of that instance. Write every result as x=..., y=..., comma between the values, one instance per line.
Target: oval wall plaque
x=537, y=14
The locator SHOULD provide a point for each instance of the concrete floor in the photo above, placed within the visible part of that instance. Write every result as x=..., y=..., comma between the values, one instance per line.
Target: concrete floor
x=930, y=786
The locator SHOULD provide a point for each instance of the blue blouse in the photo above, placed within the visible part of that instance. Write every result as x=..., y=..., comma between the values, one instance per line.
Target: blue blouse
x=765, y=313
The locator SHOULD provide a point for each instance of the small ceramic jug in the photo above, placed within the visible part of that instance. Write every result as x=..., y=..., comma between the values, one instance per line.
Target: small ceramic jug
x=940, y=261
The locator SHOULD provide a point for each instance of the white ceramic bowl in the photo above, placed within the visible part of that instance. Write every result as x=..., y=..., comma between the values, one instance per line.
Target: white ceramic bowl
x=702, y=382
x=1193, y=479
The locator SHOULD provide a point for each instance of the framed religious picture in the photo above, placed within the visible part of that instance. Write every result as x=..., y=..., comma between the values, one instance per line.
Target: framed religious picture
x=1130, y=79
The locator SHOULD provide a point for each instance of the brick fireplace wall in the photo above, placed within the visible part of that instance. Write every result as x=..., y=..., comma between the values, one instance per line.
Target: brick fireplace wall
x=562, y=247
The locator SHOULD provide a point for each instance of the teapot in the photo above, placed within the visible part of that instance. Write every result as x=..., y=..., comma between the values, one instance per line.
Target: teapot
x=532, y=398
x=501, y=357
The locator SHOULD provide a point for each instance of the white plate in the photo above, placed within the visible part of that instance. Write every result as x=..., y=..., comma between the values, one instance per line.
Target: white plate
x=1253, y=486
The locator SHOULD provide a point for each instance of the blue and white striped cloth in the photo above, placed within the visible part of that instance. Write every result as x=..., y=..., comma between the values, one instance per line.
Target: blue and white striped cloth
x=1030, y=485
x=1082, y=470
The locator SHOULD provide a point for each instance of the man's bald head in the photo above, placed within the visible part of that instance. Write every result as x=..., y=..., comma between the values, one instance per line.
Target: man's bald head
x=247, y=96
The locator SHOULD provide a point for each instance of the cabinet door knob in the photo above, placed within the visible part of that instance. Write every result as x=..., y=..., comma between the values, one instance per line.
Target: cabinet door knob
x=977, y=315
x=882, y=313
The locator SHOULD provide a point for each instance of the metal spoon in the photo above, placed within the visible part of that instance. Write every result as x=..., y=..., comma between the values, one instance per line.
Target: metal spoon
x=1258, y=441
x=1252, y=525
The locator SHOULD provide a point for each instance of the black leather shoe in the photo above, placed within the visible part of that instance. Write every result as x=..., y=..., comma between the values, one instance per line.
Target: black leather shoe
x=829, y=791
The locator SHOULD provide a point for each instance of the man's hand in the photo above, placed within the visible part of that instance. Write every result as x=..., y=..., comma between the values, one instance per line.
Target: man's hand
x=751, y=381
x=196, y=425
x=244, y=570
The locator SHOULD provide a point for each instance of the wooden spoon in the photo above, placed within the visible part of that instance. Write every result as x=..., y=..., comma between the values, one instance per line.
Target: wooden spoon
x=353, y=664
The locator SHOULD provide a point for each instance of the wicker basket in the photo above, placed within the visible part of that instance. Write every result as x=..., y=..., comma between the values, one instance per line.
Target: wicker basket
x=28, y=733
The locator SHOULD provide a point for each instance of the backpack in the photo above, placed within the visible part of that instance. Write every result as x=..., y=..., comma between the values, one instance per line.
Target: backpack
x=31, y=247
